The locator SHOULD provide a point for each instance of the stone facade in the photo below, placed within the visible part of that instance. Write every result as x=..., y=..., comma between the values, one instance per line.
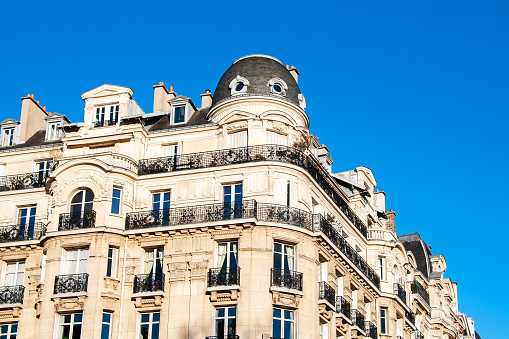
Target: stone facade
x=194, y=222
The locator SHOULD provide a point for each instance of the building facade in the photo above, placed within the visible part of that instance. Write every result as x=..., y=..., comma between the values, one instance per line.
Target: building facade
x=223, y=221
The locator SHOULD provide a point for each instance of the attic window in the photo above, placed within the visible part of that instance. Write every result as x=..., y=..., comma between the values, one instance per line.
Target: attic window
x=8, y=136
x=179, y=114
x=277, y=86
x=53, y=131
x=239, y=85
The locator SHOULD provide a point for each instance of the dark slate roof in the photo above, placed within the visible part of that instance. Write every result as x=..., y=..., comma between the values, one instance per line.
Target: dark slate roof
x=36, y=140
x=162, y=123
x=258, y=70
x=414, y=243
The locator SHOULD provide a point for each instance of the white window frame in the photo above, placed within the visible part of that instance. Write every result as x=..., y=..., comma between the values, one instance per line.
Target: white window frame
x=227, y=253
x=151, y=322
x=324, y=331
x=161, y=200
x=53, y=131
x=283, y=321
x=119, y=189
x=110, y=324
x=275, y=138
x=170, y=150
x=238, y=139
x=112, y=262
x=235, y=82
x=19, y=271
x=83, y=255
x=281, y=83
x=384, y=319
x=225, y=319
x=84, y=202
x=43, y=166
x=153, y=260
x=106, y=111
x=284, y=255
x=174, y=114
x=8, y=136
x=60, y=324
x=382, y=268
x=10, y=334
x=285, y=192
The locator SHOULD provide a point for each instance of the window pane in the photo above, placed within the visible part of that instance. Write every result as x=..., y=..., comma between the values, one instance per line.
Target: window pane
x=156, y=317
x=145, y=317
x=76, y=331
x=155, y=331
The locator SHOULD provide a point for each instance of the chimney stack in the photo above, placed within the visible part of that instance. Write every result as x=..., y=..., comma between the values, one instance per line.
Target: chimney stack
x=206, y=99
x=32, y=117
x=294, y=73
x=391, y=220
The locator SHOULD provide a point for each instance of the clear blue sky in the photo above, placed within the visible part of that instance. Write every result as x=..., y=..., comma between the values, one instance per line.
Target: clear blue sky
x=415, y=90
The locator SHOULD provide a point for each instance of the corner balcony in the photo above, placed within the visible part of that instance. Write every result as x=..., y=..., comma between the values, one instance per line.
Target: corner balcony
x=343, y=307
x=31, y=231
x=358, y=323
x=286, y=279
x=400, y=292
x=417, y=288
x=229, y=276
x=327, y=294
x=146, y=283
x=371, y=330
x=11, y=294
x=74, y=221
x=410, y=316
x=23, y=181
x=259, y=153
x=71, y=283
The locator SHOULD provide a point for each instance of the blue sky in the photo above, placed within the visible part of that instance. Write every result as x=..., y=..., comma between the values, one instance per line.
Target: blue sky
x=414, y=90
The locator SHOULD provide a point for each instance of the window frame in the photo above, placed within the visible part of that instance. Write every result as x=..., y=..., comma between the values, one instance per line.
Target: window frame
x=109, y=324
x=84, y=201
x=112, y=262
x=174, y=114
x=8, y=136
x=384, y=320
x=225, y=319
x=227, y=254
x=104, y=114
x=53, y=131
x=119, y=198
x=61, y=323
x=284, y=255
x=150, y=323
x=283, y=321
x=9, y=334
x=16, y=273
x=382, y=265
x=158, y=256
x=65, y=269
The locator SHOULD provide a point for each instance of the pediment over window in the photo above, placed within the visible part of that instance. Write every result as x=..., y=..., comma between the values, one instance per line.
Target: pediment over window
x=106, y=90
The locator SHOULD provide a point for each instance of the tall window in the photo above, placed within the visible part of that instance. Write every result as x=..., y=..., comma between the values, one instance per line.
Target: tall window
x=161, y=207
x=381, y=265
x=149, y=325
x=9, y=331
x=179, y=114
x=83, y=201
x=106, y=115
x=111, y=267
x=43, y=168
x=8, y=136
x=53, y=131
x=76, y=261
x=115, y=201
x=384, y=326
x=106, y=325
x=14, y=272
x=227, y=255
x=113, y=114
x=285, y=192
x=232, y=199
x=238, y=139
x=226, y=322
x=284, y=256
x=283, y=323
x=69, y=326
x=153, y=262
x=26, y=222
x=274, y=138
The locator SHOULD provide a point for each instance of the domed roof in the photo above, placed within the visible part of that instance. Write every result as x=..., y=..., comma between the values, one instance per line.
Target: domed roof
x=260, y=75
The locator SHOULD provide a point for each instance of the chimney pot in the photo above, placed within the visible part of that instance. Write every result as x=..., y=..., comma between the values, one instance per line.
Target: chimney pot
x=44, y=108
x=37, y=101
x=207, y=91
x=287, y=67
x=171, y=88
x=161, y=83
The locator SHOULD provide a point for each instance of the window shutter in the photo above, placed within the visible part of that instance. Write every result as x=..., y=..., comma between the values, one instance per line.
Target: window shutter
x=293, y=194
x=280, y=193
x=238, y=139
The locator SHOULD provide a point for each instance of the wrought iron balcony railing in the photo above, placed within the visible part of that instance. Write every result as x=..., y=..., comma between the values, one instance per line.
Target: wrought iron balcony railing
x=400, y=292
x=327, y=293
x=12, y=294
x=99, y=123
x=22, y=181
x=148, y=283
x=416, y=287
x=251, y=209
x=72, y=221
x=371, y=330
x=343, y=307
x=418, y=334
x=71, y=283
x=286, y=278
x=357, y=319
x=191, y=215
x=228, y=276
x=29, y=231
x=226, y=336
x=410, y=316
x=231, y=156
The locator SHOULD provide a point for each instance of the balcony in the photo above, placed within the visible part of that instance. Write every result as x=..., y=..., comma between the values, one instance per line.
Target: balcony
x=410, y=316
x=371, y=330
x=12, y=294
x=418, y=334
x=144, y=283
x=71, y=283
x=286, y=279
x=343, y=307
x=289, y=155
x=417, y=288
x=31, y=231
x=400, y=292
x=23, y=181
x=357, y=319
x=79, y=220
x=100, y=123
x=229, y=276
x=227, y=336
x=327, y=293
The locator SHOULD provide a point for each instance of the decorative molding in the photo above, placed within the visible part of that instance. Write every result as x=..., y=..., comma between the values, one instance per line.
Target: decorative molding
x=70, y=304
x=229, y=297
x=237, y=126
x=283, y=299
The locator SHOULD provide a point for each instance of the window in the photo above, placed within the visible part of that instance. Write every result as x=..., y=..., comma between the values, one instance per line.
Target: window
x=43, y=168
x=227, y=255
x=161, y=207
x=111, y=267
x=278, y=86
x=149, y=325
x=384, y=326
x=9, y=331
x=14, y=272
x=284, y=256
x=238, y=139
x=285, y=192
x=170, y=150
x=238, y=85
x=324, y=331
x=26, y=222
x=115, y=201
x=322, y=271
x=232, y=201
x=76, y=261
x=283, y=323
x=381, y=266
x=153, y=262
x=69, y=326
x=179, y=114
x=83, y=201
x=107, y=322
x=106, y=115
x=226, y=322
x=53, y=131
x=274, y=138
x=8, y=136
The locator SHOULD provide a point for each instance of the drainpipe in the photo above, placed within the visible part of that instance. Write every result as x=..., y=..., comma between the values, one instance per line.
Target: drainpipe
x=122, y=291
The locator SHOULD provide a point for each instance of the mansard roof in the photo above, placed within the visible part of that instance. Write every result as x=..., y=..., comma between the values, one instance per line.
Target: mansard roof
x=414, y=243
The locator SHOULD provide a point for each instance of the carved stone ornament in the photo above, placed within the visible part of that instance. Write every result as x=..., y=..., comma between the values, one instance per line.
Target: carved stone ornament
x=277, y=126
x=285, y=299
x=58, y=187
x=237, y=126
x=199, y=268
x=177, y=271
x=70, y=304
x=224, y=297
x=10, y=313
x=325, y=312
x=153, y=301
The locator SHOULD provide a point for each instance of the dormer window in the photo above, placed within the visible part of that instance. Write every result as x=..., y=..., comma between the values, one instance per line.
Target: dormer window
x=8, y=136
x=278, y=86
x=10, y=132
x=182, y=108
x=106, y=115
x=239, y=85
x=179, y=114
x=53, y=132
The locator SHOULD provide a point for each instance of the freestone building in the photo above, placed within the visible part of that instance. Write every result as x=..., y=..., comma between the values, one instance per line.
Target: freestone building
x=219, y=221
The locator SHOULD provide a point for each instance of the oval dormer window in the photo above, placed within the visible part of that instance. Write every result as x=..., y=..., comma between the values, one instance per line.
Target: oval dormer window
x=239, y=85
x=277, y=86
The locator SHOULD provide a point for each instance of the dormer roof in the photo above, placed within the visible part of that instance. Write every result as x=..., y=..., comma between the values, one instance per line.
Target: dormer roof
x=106, y=90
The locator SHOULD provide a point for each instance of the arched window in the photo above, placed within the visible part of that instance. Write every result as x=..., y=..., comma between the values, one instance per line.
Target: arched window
x=239, y=85
x=82, y=201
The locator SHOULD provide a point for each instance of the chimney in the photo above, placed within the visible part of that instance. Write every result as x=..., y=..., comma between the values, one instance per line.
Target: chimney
x=391, y=220
x=294, y=73
x=161, y=97
x=32, y=117
x=206, y=99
